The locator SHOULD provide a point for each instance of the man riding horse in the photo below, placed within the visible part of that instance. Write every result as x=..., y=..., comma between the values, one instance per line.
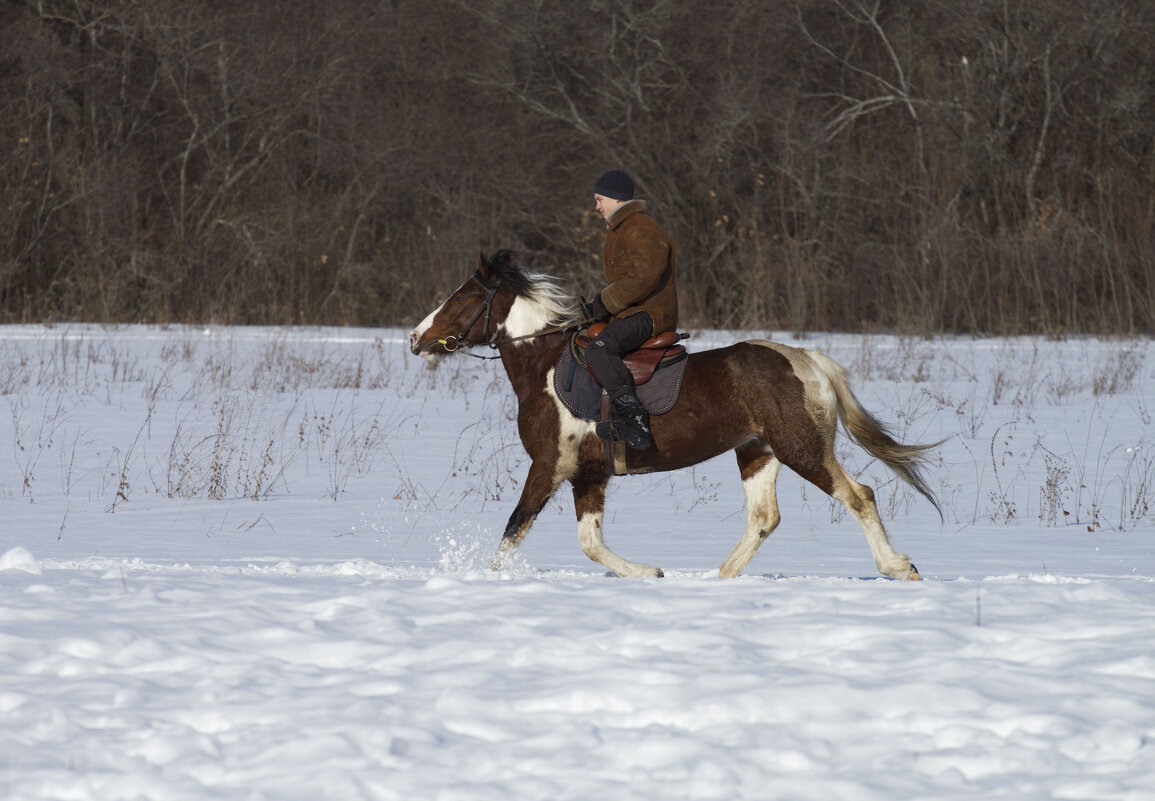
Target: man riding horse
x=640, y=302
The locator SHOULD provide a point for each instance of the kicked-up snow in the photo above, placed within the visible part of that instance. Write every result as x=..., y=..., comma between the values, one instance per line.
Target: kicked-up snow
x=253, y=564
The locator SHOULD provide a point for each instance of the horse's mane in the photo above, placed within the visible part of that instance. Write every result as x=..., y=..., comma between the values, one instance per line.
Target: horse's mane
x=557, y=306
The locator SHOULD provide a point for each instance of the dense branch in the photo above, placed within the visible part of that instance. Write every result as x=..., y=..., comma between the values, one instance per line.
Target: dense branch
x=824, y=164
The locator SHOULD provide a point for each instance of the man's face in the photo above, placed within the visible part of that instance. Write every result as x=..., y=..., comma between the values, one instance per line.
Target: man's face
x=606, y=205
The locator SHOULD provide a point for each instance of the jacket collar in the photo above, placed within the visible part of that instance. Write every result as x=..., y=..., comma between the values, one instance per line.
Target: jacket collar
x=627, y=209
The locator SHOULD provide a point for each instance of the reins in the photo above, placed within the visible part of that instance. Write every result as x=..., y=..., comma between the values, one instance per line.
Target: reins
x=497, y=343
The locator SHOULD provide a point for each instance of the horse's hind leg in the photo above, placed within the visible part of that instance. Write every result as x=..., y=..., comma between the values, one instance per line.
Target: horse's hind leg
x=590, y=502
x=859, y=501
x=813, y=459
x=759, y=475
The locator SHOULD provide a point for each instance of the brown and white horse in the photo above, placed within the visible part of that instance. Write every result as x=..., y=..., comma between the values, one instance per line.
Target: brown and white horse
x=771, y=404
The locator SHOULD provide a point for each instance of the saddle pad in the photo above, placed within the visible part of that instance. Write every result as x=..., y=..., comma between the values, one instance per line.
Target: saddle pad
x=583, y=396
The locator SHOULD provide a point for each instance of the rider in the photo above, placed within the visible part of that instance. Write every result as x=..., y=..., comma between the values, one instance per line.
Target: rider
x=641, y=301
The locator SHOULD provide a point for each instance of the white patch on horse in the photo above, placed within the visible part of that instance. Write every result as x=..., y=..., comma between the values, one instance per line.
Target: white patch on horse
x=572, y=431
x=799, y=359
x=525, y=317
x=423, y=326
x=821, y=399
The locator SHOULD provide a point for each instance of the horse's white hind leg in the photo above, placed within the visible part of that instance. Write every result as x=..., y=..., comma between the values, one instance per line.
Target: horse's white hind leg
x=759, y=476
x=859, y=501
x=590, y=501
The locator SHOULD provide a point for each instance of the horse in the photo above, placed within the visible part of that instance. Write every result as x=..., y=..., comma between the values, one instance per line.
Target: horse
x=771, y=404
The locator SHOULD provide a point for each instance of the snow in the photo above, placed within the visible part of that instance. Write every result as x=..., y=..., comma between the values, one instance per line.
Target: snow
x=20, y=559
x=253, y=564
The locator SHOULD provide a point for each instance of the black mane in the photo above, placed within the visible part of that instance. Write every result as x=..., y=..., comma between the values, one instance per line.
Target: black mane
x=510, y=272
x=557, y=305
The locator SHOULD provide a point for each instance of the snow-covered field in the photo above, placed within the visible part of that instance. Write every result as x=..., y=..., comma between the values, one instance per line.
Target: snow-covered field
x=252, y=564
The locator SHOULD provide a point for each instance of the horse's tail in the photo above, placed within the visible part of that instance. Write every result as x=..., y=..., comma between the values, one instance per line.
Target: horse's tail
x=862, y=427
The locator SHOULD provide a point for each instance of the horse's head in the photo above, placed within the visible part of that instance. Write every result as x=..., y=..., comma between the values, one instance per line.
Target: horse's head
x=466, y=318
x=500, y=299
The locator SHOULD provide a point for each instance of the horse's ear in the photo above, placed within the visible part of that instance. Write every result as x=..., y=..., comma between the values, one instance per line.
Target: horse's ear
x=484, y=267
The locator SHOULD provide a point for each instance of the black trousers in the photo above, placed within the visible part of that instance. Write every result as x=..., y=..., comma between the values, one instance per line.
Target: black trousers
x=605, y=351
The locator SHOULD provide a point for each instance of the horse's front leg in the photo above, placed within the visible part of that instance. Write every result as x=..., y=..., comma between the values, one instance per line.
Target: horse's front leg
x=540, y=485
x=589, y=497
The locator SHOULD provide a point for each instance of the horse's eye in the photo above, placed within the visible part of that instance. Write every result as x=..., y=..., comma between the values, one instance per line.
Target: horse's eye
x=461, y=298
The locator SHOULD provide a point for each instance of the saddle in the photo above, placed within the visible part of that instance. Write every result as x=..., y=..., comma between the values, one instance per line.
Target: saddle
x=658, y=389
x=657, y=351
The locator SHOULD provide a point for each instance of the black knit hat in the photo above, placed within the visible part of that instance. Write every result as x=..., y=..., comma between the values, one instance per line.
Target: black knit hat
x=615, y=184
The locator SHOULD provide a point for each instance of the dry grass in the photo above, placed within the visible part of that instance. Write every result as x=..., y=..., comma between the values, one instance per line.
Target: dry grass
x=240, y=417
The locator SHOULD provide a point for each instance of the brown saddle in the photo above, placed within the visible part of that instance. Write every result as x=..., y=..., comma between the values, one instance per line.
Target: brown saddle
x=655, y=351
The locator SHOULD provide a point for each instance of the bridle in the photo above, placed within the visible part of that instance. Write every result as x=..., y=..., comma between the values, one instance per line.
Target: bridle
x=453, y=343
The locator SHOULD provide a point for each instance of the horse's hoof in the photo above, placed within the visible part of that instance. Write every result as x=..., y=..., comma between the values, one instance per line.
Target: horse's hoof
x=658, y=573
x=914, y=574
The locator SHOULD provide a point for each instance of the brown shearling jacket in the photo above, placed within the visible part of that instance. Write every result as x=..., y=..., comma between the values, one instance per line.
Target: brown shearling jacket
x=638, y=259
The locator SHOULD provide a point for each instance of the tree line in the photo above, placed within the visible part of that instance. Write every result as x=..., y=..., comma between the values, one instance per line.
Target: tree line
x=917, y=166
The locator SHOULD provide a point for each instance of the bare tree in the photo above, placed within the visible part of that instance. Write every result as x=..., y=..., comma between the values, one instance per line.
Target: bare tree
x=828, y=163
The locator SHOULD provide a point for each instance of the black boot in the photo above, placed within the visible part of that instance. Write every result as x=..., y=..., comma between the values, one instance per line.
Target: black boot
x=630, y=424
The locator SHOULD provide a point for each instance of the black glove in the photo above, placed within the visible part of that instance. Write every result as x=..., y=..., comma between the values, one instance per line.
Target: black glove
x=594, y=310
